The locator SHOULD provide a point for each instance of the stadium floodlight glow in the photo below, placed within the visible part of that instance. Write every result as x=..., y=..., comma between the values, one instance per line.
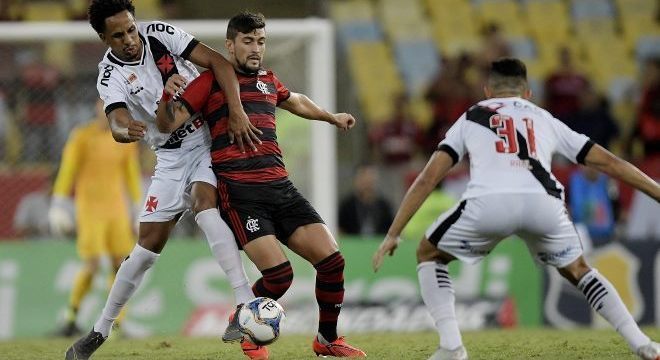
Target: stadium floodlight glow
x=318, y=37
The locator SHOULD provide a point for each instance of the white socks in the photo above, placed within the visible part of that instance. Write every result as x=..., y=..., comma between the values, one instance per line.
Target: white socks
x=224, y=249
x=438, y=296
x=128, y=279
x=603, y=298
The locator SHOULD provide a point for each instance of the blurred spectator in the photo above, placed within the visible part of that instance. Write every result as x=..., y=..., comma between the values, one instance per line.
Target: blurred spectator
x=564, y=86
x=643, y=216
x=396, y=144
x=398, y=140
x=593, y=118
x=493, y=46
x=10, y=10
x=170, y=9
x=37, y=107
x=4, y=120
x=647, y=129
x=450, y=94
x=365, y=211
x=591, y=203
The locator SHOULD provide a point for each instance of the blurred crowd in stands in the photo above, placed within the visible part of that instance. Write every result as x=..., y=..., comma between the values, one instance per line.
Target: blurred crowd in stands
x=397, y=132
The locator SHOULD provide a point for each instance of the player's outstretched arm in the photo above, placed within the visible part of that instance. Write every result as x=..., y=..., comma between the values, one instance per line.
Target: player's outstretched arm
x=301, y=105
x=239, y=126
x=434, y=171
x=601, y=159
x=124, y=128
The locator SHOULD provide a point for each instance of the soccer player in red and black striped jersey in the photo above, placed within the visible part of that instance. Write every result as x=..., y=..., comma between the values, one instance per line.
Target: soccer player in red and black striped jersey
x=258, y=201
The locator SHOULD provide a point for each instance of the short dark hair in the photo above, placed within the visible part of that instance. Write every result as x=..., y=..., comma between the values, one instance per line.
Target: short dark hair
x=509, y=73
x=99, y=10
x=245, y=22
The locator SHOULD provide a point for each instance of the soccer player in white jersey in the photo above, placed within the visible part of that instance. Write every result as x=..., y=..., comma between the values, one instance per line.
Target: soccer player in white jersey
x=510, y=142
x=132, y=77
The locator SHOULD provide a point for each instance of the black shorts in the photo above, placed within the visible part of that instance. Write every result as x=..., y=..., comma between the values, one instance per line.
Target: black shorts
x=256, y=210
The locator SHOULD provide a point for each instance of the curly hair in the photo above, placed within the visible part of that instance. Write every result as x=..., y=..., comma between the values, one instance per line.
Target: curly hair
x=244, y=22
x=99, y=10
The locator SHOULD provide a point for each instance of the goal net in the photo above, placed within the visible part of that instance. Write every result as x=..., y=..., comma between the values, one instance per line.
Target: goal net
x=48, y=86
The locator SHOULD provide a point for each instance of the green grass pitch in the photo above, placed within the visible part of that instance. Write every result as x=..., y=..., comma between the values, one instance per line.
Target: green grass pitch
x=547, y=344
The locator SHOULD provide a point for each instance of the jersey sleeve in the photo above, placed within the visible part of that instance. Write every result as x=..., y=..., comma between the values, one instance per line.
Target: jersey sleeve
x=174, y=38
x=111, y=89
x=197, y=92
x=283, y=92
x=454, y=141
x=132, y=173
x=71, y=160
x=572, y=145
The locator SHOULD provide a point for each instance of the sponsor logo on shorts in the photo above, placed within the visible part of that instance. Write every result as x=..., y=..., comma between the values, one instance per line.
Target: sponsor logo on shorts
x=466, y=246
x=152, y=204
x=252, y=225
x=555, y=256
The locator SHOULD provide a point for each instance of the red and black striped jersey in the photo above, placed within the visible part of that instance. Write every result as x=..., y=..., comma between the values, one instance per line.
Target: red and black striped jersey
x=260, y=93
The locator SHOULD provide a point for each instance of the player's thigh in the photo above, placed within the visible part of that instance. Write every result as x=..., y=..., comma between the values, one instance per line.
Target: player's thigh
x=427, y=251
x=202, y=180
x=165, y=198
x=203, y=196
x=265, y=252
x=246, y=211
x=89, y=242
x=468, y=231
x=300, y=227
x=120, y=238
x=313, y=242
x=549, y=232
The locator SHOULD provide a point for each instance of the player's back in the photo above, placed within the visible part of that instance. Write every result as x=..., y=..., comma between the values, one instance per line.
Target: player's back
x=510, y=142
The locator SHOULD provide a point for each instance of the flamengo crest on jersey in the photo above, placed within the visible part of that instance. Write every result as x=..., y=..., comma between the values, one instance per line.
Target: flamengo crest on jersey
x=511, y=142
x=139, y=84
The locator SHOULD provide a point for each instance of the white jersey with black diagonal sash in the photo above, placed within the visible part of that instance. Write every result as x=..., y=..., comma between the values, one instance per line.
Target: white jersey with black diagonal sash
x=138, y=86
x=510, y=142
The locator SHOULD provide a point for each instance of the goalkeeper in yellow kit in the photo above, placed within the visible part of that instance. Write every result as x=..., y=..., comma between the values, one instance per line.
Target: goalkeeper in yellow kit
x=101, y=175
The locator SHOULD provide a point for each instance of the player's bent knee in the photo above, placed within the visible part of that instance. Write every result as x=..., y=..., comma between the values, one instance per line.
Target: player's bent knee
x=426, y=251
x=204, y=197
x=154, y=235
x=574, y=271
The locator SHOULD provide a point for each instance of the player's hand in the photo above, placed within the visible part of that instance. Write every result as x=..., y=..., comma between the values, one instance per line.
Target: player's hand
x=389, y=244
x=175, y=85
x=344, y=121
x=136, y=130
x=59, y=218
x=242, y=131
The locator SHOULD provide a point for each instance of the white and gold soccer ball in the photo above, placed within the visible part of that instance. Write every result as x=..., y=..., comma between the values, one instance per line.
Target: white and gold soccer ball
x=260, y=319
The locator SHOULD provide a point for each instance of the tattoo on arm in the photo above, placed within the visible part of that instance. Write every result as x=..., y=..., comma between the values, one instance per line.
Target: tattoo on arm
x=170, y=111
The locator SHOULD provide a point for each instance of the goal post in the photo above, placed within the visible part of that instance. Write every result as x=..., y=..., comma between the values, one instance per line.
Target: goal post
x=312, y=70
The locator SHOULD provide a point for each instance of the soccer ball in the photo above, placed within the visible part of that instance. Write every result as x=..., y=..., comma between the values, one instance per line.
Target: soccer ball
x=260, y=320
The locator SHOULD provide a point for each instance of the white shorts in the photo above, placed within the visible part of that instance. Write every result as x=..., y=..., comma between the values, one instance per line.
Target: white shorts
x=176, y=171
x=472, y=228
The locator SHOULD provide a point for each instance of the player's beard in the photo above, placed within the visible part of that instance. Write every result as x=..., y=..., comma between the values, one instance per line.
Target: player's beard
x=245, y=68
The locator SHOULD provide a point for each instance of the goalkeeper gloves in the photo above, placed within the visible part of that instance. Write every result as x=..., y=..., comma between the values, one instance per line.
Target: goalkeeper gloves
x=60, y=218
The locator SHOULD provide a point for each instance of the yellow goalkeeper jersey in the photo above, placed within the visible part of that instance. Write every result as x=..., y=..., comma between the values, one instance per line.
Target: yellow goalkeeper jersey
x=99, y=172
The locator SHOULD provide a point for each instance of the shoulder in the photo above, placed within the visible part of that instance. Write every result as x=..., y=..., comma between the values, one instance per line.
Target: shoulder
x=108, y=72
